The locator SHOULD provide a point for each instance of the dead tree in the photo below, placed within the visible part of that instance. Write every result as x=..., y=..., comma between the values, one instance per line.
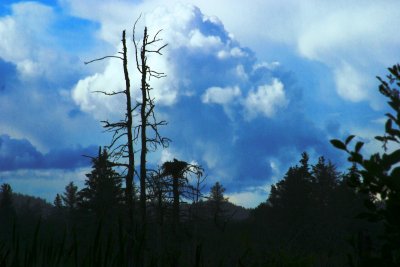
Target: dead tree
x=149, y=140
x=178, y=171
x=121, y=147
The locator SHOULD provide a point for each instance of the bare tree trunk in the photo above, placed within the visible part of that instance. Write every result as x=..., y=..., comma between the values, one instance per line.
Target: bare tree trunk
x=148, y=121
x=131, y=155
x=143, y=130
x=126, y=129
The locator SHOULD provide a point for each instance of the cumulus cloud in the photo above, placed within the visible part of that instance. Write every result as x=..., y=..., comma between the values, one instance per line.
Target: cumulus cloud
x=360, y=33
x=220, y=95
x=28, y=41
x=266, y=100
x=21, y=30
x=202, y=59
x=351, y=84
x=37, y=72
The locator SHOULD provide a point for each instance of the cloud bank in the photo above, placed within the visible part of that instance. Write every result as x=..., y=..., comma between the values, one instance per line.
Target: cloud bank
x=18, y=154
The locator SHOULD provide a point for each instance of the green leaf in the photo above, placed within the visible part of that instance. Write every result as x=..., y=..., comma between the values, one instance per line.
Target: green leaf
x=338, y=144
x=392, y=158
x=348, y=139
x=388, y=125
x=393, y=70
x=358, y=146
x=390, y=116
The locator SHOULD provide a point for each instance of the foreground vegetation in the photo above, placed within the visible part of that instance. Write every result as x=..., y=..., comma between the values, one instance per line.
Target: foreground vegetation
x=308, y=220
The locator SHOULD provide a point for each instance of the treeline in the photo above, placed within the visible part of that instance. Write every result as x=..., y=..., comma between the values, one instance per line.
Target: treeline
x=307, y=220
x=310, y=217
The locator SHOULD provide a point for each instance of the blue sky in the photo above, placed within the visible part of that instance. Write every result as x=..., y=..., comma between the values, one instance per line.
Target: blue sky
x=250, y=85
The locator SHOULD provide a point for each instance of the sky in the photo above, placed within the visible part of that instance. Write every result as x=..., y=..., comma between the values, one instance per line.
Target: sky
x=250, y=85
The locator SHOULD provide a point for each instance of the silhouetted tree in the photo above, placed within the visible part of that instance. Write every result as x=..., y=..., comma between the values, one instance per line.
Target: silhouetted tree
x=6, y=201
x=70, y=197
x=121, y=147
x=126, y=132
x=6, y=196
x=178, y=171
x=217, y=200
x=148, y=139
x=217, y=193
x=380, y=178
x=325, y=176
x=58, y=202
x=293, y=191
x=103, y=193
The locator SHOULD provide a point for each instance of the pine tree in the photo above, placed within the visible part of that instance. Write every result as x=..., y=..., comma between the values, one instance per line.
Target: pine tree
x=326, y=179
x=58, y=202
x=6, y=196
x=217, y=193
x=70, y=196
x=217, y=200
x=6, y=201
x=103, y=192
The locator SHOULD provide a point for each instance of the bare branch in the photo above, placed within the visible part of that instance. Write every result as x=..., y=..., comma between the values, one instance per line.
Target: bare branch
x=158, y=51
x=98, y=59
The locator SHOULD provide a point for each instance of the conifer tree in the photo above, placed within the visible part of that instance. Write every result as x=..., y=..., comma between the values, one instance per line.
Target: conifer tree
x=70, y=196
x=58, y=202
x=103, y=192
x=6, y=201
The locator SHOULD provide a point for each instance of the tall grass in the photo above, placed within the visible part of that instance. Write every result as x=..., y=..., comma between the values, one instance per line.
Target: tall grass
x=37, y=250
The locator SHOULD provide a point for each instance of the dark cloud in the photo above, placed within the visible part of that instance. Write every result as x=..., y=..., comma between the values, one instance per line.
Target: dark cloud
x=21, y=154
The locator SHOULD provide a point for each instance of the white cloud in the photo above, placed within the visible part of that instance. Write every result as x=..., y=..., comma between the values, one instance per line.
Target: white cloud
x=99, y=104
x=220, y=95
x=351, y=84
x=198, y=40
x=189, y=35
x=24, y=37
x=361, y=32
x=251, y=197
x=166, y=155
x=266, y=100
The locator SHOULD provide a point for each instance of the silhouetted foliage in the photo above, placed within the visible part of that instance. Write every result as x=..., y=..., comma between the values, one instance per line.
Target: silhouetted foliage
x=217, y=201
x=6, y=201
x=217, y=193
x=311, y=212
x=378, y=179
x=103, y=193
x=7, y=210
x=58, y=202
x=70, y=197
